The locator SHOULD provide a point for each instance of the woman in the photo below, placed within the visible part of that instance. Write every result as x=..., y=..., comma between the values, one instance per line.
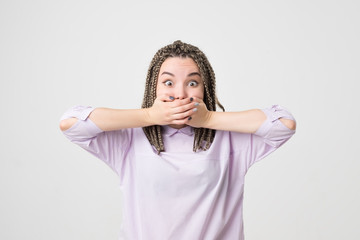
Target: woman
x=180, y=163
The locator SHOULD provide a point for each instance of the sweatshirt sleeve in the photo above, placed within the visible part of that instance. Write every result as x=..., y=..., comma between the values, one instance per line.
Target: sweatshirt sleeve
x=108, y=146
x=271, y=135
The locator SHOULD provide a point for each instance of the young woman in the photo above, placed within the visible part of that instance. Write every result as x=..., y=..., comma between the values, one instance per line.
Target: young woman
x=181, y=164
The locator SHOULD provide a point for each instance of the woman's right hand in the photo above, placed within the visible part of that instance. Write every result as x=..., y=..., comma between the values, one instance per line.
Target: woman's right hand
x=169, y=111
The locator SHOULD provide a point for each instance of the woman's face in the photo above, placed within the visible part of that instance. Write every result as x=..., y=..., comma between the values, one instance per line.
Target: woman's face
x=180, y=78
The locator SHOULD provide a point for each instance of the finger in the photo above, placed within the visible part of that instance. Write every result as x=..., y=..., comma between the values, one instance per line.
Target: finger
x=198, y=100
x=177, y=102
x=184, y=115
x=185, y=108
x=186, y=104
x=166, y=98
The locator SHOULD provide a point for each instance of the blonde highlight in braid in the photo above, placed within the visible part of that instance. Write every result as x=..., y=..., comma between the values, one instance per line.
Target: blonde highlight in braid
x=203, y=136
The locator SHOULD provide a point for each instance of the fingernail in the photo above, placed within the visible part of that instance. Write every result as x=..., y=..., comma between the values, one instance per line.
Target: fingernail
x=189, y=118
x=195, y=109
x=191, y=99
x=197, y=104
x=171, y=97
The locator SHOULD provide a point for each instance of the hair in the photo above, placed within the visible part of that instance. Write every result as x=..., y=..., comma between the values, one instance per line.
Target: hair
x=203, y=136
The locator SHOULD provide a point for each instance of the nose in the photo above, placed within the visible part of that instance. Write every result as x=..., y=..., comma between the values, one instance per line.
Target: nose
x=180, y=92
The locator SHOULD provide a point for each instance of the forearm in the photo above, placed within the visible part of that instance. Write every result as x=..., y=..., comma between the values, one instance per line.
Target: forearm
x=109, y=119
x=245, y=121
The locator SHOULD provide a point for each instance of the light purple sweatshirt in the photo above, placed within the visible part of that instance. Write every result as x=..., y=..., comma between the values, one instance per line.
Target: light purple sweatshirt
x=180, y=194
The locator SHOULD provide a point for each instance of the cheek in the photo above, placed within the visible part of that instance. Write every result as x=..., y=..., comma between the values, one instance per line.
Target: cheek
x=157, y=91
x=160, y=91
x=198, y=92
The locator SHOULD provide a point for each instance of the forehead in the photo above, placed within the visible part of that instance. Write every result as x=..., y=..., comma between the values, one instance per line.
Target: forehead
x=179, y=64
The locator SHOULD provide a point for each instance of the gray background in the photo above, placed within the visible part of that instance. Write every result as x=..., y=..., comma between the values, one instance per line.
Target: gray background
x=303, y=55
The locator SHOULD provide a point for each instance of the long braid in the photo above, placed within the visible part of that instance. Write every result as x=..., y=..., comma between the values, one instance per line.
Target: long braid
x=203, y=136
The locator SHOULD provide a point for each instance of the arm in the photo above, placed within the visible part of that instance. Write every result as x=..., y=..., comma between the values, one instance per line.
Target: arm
x=245, y=121
x=163, y=112
x=108, y=146
x=248, y=121
x=108, y=119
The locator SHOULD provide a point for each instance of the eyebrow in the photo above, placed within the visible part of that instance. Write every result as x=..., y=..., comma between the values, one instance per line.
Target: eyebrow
x=189, y=75
x=194, y=73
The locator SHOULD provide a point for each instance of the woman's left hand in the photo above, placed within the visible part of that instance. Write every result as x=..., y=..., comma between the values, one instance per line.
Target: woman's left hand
x=201, y=116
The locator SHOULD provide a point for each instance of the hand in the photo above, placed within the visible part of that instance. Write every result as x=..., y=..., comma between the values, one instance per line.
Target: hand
x=167, y=111
x=201, y=116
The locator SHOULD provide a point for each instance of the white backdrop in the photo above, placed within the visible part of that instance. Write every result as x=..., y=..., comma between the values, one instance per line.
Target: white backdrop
x=303, y=55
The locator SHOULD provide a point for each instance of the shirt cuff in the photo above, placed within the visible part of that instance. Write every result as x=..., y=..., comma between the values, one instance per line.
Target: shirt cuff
x=273, y=113
x=84, y=128
x=79, y=112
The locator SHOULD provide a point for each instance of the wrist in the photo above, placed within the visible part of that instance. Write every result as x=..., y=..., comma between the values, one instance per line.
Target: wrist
x=208, y=123
x=147, y=116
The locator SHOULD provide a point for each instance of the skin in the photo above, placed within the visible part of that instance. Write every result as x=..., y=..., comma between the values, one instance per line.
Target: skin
x=180, y=79
x=179, y=93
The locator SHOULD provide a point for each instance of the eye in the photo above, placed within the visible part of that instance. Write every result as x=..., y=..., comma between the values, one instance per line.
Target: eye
x=168, y=83
x=193, y=83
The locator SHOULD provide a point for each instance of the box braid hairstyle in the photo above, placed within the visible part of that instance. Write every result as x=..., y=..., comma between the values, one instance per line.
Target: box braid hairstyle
x=203, y=136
